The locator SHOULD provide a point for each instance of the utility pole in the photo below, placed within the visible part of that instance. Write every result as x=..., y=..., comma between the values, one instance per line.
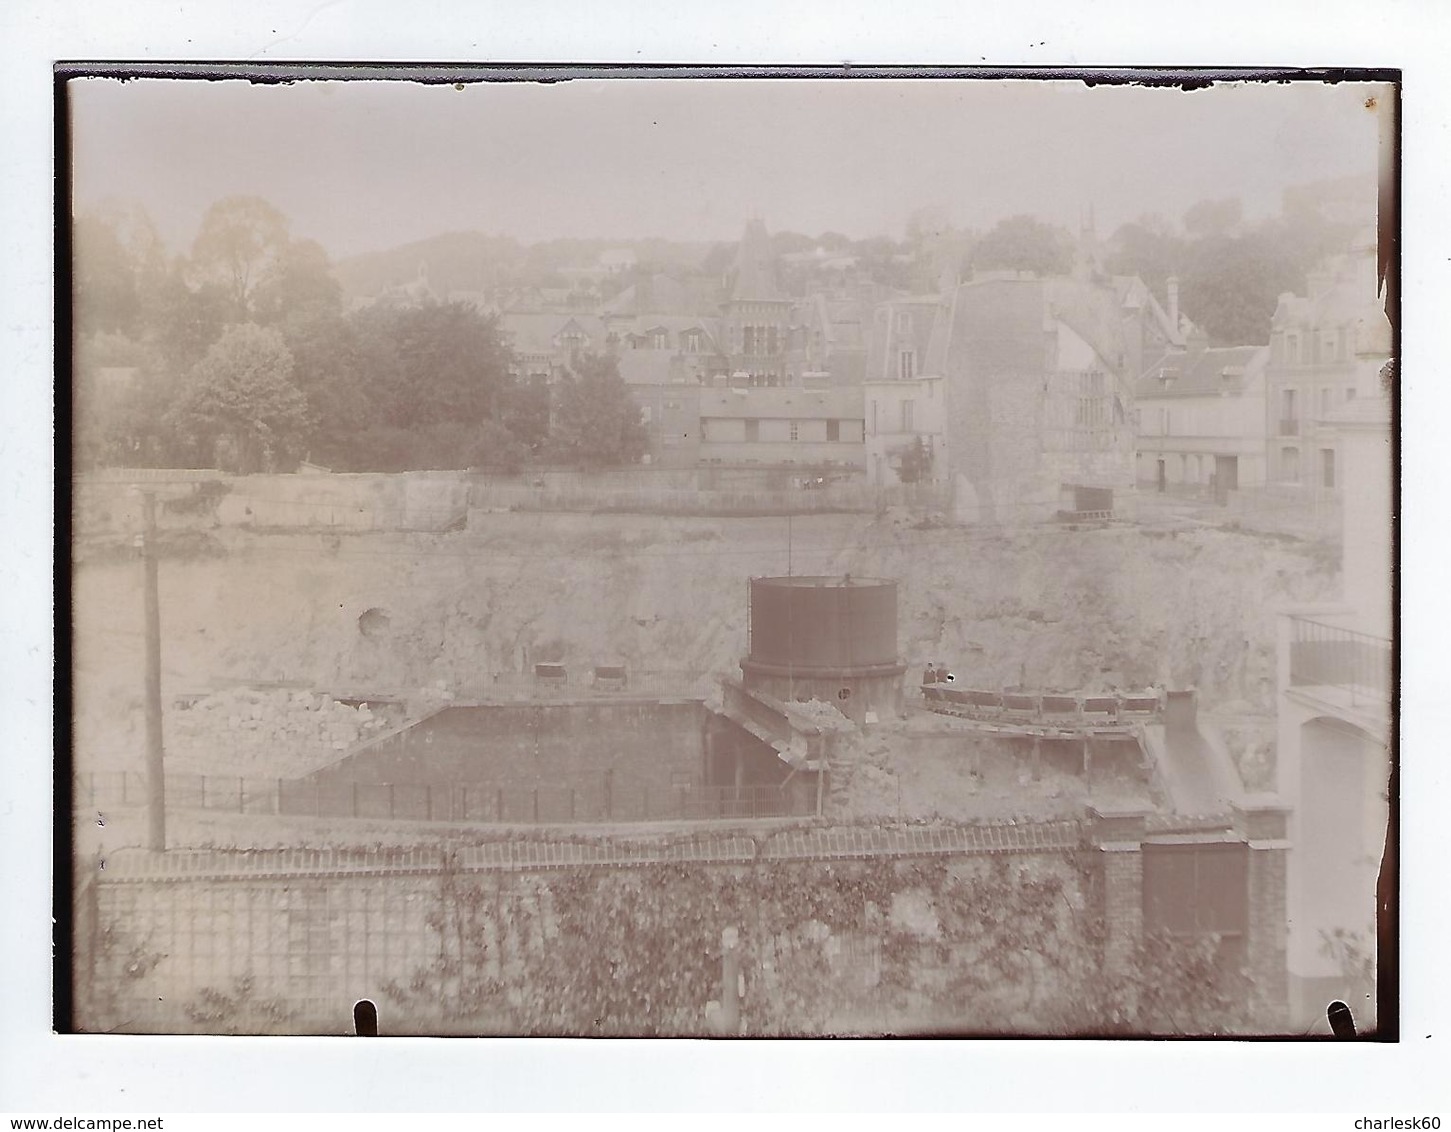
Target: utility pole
x=155, y=765
x=730, y=982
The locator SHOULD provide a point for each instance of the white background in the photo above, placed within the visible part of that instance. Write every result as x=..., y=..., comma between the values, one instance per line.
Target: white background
x=51, y=1075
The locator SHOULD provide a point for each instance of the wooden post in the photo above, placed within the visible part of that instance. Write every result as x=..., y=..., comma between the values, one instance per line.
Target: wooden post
x=241, y=795
x=155, y=762
x=730, y=982
x=499, y=804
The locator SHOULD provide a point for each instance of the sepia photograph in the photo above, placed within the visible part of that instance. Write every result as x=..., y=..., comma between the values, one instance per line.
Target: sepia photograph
x=555, y=553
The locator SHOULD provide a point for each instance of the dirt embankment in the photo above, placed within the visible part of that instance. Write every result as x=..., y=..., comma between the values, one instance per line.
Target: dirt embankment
x=397, y=614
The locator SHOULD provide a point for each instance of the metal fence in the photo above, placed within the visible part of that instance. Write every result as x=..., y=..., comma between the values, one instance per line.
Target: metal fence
x=1075, y=708
x=581, y=679
x=1330, y=657
x=605, y=799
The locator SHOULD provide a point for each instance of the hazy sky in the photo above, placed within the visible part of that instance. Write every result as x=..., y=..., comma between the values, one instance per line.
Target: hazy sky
x=360, y=166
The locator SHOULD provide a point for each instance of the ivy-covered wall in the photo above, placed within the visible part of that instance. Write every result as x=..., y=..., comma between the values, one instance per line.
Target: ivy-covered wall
x=1017, y=935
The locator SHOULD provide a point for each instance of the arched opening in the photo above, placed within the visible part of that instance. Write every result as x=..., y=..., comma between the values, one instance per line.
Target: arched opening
x=373, y=623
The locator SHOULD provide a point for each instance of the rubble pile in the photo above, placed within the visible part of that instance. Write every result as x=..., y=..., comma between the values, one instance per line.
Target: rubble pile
x=265, y=733
x=825, y=715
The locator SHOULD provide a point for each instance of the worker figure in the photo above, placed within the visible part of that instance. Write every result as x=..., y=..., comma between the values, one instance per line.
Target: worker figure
x=929, y=674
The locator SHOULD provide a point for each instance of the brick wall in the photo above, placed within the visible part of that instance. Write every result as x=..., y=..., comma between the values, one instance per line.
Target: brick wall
x=1263, y=821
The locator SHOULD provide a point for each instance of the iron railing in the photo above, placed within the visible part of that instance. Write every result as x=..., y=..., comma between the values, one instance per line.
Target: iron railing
x=1327, y=656
x=1045, y=708
x=600, y=799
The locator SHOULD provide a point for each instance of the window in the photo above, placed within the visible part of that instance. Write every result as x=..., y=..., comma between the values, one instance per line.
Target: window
x=657, y=340
x=753, y=430
x=1325, y=402
x=795, y=431
x=1292, y=349
x=904, y=322
x=1165, y=423
x=907, y=424
x=833, y=430
x=692, y=342
x=1289, y=413
x=874, y=418
x=1290, y=465
x=1327, y=467
x=771, y=341
x=907, y=365
x=1350, y=394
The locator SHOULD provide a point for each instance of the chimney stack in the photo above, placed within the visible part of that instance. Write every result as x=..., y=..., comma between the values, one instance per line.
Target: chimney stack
x=1173, y=287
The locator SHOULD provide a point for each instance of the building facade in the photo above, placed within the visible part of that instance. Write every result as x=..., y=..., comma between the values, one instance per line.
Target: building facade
x=1200, y=420
x=1316, y=343
x=1333, y=751
x=814, y=430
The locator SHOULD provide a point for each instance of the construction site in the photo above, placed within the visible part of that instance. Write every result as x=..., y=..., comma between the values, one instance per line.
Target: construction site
x=641, y=774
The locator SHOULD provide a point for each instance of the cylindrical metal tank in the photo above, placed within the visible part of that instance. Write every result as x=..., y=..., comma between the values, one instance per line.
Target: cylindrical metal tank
x=825, y=624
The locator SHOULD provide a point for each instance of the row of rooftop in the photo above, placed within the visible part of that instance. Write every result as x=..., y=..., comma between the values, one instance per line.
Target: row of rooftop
x=1009, y=386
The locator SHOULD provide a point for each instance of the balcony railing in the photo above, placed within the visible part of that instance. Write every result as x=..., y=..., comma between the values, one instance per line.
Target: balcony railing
x=1324, y=656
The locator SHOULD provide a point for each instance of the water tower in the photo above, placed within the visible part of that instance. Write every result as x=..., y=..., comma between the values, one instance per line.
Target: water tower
x=826, y=638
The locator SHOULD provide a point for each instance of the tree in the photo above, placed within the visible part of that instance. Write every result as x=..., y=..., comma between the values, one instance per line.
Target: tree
x=1024, y=243
x=104, y=294
x=239, y=406
x=1214, y=217
x=435, y=363
x=525, y=412
x=1149, y=248
x=298, y=287
x=596, y=420
x=118, y=263
x=241, y=240
x=185, y=322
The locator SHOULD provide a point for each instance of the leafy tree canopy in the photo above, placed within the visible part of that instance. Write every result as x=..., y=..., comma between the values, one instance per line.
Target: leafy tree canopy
x=1214, y=217
x=240, y=406
x=241, y=239
x=596, y=421
x=1024, y=243
x=298, y=286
